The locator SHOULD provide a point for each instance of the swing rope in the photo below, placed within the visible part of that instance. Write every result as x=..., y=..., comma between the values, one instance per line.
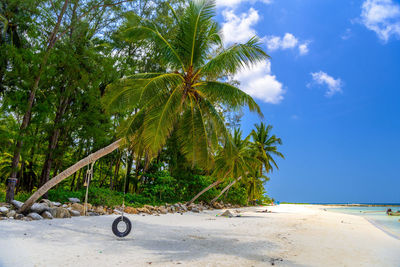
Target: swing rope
x=89, y=176
x=123, y=198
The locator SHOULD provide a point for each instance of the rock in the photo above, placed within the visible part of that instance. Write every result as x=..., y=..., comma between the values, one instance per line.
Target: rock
x=74, y=213
x=64, y=206
x=131, y=210
x=17, y=204
x=148, y=207
x=47, y=202
x=19, y=216
x=184, y=208
x=195, y=209
x=93, y=214
x=47, y=215
x=144, y=210
x=115, y=211
x=11, y=214
x=74, y=200
x=99, y=210
x=60, y=212
x=35, y=216
x=39, y=207
x=227, y=213
x=163, y=210
x=28, y=219
x=78, y=207
x=89, y=206
x=56, y=204
x=3, y=210
x=3, y=218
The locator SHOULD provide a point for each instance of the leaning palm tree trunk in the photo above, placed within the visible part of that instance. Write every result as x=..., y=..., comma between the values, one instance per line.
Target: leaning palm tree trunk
x=204, y=190
x=225, y=189
x=68, y=172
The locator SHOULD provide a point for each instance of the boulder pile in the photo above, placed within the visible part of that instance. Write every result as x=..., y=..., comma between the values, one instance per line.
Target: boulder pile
x=47, y=209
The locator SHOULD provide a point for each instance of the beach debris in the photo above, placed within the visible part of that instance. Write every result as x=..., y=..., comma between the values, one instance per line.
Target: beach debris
x=35, y=216
x=273, y=260
x=227, y=213
x=74, y=200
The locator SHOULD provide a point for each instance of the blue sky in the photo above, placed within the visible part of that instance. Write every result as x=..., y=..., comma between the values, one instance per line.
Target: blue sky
x=331, y=90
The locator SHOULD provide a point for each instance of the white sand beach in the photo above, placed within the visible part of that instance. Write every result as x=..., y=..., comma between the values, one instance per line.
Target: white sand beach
x=292, y=235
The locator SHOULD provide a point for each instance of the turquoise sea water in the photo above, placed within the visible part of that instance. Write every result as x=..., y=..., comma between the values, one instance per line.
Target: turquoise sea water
x=377, y=216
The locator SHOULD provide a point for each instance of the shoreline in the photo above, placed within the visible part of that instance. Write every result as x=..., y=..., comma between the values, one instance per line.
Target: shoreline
x=288, y=235
x=376, y=224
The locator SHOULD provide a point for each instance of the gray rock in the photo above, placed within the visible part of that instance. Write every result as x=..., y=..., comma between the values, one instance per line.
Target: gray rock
x=39, y=207
x=227, y=213
x=19, y=216
x=3, y=210
x=3, y=218
x=74, y=213
x=163, y=210
x=17, y=204
x=74, y=200
x=11, y=214
x=60, y=212
x=64, y=206
x=35, y=216
x=93, y=214
x=195, y=209
x=56, y=204
x=47, y=215
x=47, y=202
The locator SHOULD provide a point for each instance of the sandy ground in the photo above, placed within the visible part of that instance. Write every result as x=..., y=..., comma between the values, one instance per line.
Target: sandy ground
x=292, y=235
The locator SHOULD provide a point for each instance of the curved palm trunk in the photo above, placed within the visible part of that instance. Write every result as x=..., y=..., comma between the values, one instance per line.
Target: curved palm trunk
x=225, y=189
x=204, y=190
x=68, y=172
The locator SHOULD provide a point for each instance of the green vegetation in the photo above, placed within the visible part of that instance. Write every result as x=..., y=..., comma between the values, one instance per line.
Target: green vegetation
x=77, y=75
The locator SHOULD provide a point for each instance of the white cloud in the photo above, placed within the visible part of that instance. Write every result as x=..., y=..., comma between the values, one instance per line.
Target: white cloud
x=239, y=28
x=235, y=3
x=334, y=85
x=288, y=41
x=258, y=82
x=382, y=17
x=303, y=48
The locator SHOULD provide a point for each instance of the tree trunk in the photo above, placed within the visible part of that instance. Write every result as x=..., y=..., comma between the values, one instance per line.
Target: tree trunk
x=204, y=190
x=27, y=116
x=53, y=141
x=225, y=189
x=68, y=172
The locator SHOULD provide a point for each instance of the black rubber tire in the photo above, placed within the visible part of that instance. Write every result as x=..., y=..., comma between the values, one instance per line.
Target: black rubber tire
x=121, y=219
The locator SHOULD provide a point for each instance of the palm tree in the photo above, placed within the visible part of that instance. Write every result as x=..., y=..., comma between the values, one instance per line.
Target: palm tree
x=234, y=160
x=184, y=97
x=265, y=148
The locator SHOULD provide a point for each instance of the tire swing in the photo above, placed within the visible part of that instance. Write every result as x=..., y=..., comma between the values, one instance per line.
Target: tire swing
x=122, y=219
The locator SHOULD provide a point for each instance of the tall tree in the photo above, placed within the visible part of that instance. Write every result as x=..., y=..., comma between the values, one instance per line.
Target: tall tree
x=183, y=98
